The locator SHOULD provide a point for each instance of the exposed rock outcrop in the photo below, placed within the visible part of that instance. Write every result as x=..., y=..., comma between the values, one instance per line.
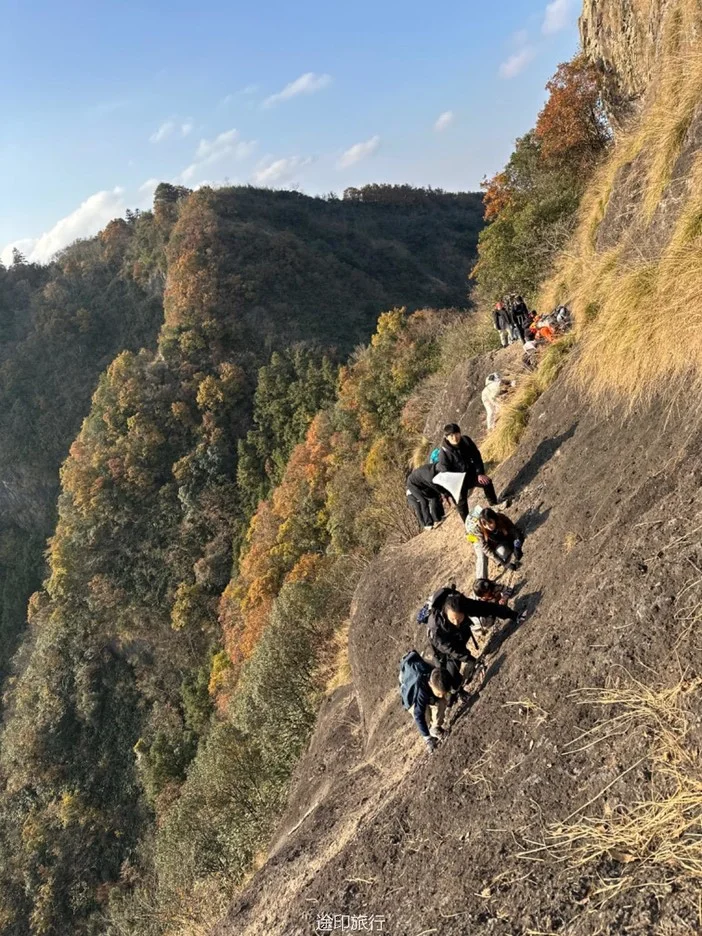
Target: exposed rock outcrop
x=626, y=37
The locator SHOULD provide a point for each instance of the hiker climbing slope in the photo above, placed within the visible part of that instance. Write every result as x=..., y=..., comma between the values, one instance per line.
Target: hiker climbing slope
x=495, y=387
x=424, y=690
x=459, y=455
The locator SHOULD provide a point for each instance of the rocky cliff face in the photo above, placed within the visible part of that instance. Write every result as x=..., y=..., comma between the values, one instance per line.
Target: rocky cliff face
x=626, y=38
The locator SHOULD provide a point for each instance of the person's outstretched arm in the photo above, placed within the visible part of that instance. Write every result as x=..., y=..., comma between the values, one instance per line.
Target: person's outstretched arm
x=476, y=608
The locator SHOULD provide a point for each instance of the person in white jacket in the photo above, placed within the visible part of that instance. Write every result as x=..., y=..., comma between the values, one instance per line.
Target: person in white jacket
x=494, y=387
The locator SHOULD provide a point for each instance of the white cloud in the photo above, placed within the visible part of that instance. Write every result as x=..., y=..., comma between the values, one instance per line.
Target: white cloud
x=359, y=151
x=163, y=132
x=556, y=16
x=279, y=170
x=90, y=217
x=221, y=144
x=168, y=128
x=226, y=145
x=516, y=63
x=244, y=92
x=24, y=245
x=305, y=84
x=443, y=121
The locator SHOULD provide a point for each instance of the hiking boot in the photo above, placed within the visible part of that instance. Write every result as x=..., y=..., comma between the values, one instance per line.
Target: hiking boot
x=503, y=504
x=428, y=527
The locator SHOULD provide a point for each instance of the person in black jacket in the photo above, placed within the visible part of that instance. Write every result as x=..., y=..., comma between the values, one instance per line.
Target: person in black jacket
x=424, y=498
x=451, y=637
x=520, y=316
x=501, y=321
x=459, y=454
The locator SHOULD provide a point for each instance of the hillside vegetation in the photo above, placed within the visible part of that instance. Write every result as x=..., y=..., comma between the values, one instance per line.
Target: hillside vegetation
x=566, y=797
x=259, y=269
x=139, y=766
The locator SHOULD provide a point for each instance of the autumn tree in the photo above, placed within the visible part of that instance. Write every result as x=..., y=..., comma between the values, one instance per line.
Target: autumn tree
x=531, y=203
x=572, y=126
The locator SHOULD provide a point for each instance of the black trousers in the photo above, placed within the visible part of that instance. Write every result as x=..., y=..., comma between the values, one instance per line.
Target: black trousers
x=468, y=486
x=459, y=672
x=427, y=507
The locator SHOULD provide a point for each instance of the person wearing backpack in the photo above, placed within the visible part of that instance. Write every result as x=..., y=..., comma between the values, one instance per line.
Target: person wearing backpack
x=425, y=498
x=424, y=690
x=493, y=536
x=450, y=634
x=460, y=455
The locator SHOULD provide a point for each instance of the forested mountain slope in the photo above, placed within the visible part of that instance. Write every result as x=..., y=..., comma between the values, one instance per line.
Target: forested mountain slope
x=567, y=797
x=141, y=662
x=276, y=267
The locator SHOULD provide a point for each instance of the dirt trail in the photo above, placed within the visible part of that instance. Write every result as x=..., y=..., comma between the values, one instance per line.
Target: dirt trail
x=611, y=575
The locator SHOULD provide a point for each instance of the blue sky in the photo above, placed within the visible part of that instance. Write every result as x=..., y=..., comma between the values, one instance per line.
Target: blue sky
x=104, y=98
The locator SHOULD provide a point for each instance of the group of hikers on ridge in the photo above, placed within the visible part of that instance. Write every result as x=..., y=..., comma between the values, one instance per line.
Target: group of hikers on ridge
x=514, y=322
x=454, y=470
x=454, y=620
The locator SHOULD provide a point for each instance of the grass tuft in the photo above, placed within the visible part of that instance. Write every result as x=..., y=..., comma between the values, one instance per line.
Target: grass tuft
x=637, y=316
x=661, y=830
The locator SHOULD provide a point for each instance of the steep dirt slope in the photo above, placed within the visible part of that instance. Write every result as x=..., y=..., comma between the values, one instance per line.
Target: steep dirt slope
x=376, y=826
x=458, y=400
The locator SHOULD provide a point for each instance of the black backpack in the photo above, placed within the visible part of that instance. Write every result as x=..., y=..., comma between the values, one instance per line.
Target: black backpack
x=413, y=669
x=434, y=602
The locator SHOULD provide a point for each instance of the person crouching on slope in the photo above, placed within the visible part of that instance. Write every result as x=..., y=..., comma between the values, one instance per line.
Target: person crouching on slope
x=485, y=590
x=460, y=454
x=424, y=498
x=494, y=536
x=495, y=387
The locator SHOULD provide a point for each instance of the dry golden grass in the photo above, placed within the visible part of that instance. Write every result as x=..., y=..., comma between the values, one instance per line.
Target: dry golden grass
x=638, y=319
x=340, y=669
x=470, y=336
x=531, y=710
x=664, y=829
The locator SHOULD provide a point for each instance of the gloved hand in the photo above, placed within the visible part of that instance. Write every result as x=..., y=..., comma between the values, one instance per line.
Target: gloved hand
x=431, y=744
